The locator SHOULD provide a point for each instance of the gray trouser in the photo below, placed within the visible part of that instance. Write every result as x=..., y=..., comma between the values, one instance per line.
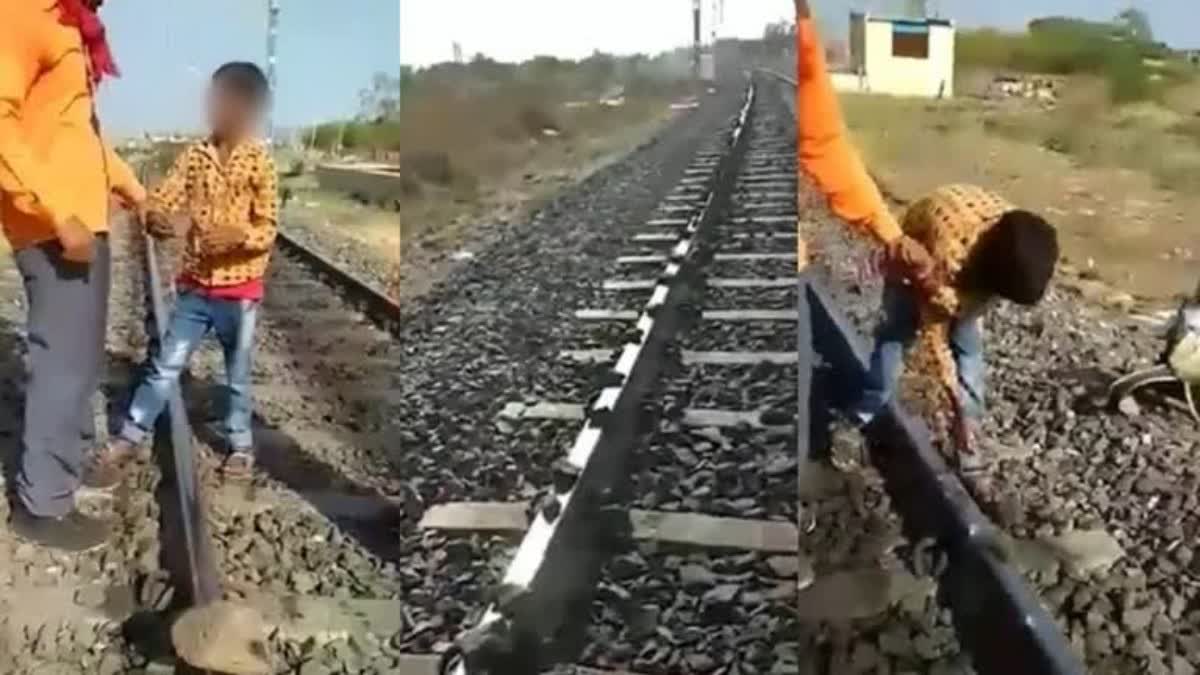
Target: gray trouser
x=67, y=322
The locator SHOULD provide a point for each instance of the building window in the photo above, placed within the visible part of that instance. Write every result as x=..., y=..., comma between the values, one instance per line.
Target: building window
x=910, y=40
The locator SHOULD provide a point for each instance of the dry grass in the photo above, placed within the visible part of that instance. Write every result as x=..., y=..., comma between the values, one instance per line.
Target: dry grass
x=467, y=161
x=376, y=227
x=483, y=159
x=1122, y=183
x=461, y=153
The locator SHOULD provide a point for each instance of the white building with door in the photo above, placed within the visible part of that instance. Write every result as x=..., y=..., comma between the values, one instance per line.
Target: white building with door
x=899, y=56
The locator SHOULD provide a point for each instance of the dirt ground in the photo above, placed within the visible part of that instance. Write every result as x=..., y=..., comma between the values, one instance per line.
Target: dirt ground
x=1120, y=184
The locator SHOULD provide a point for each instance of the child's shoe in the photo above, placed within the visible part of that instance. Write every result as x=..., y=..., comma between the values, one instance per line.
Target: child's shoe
x=239, y=465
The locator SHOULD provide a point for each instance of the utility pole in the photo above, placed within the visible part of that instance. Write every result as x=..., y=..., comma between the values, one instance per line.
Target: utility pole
x=272, y=32
x=713, y=21
x=400, y=57
x=696, y=40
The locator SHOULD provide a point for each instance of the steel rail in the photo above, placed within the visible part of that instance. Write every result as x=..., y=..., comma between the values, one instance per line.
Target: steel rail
x=181, y=433
x=368, y=297
x=547, y=586
x=199, y=566
x=998, y=617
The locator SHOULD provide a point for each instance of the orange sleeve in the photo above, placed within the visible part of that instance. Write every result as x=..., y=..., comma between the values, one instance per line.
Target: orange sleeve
x=23, y=176
x=824, y=151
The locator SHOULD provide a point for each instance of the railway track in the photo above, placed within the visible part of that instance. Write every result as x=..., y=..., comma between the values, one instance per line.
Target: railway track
x=709, y=386
x=701, y=543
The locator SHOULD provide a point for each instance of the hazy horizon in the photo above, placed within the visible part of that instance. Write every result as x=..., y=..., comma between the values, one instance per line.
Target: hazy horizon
x=430, y=28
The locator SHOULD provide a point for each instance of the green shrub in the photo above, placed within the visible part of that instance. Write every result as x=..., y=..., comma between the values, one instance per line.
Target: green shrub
x=1128, y=80
x=1059, y=46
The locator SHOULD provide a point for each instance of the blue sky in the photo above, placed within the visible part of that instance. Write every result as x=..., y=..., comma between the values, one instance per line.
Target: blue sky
x=519, y=29
x=327, y=51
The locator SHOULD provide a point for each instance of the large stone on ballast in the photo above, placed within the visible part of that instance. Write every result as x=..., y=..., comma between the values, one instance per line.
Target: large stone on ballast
x=224, y=637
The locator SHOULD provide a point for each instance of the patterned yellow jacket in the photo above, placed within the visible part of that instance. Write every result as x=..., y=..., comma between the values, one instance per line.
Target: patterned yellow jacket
x=240, y=192
x=948, y=222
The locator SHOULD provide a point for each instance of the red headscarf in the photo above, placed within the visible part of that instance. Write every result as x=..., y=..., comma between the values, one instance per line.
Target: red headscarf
x=79, y=15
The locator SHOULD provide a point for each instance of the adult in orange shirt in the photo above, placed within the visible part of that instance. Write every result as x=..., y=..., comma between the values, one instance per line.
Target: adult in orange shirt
x=826, y=155
x=56, y=179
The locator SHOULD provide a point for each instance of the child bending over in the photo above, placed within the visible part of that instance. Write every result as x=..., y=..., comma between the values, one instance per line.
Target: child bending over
x=954, y=251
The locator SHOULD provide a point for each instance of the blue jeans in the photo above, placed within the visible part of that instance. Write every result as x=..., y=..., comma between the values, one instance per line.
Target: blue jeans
x=896, y=331
x=194, y=316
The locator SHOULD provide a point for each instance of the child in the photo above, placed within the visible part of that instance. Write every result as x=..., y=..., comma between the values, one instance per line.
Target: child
x=221, y=197
x=983, y=249
x=953, y=252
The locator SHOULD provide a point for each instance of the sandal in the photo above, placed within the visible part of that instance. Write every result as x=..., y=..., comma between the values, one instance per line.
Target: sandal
x=239, y=465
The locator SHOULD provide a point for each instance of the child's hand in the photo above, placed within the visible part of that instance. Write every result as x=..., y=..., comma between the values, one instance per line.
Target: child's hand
x=223, y=239
x=908, y=259
x=140, y=212
x=162, y=226
x=963, y=436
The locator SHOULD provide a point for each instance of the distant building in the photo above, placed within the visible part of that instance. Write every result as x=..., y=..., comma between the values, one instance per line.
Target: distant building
x=900, y=56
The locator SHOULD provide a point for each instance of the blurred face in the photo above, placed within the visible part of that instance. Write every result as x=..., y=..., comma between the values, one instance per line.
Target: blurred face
x=228, y=113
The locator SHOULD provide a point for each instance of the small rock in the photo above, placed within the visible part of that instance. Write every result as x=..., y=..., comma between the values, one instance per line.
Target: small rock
x=1136, y=620
x=627, y=566
x=1086, y=551
x=700, y=663
x=784, y=566
x=1098, y=643
x=303, y=582
x=92, y=595
x=644, y=621
x=1129, y=407
x=846, y=595
x=721, y=596
x=693, y=576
